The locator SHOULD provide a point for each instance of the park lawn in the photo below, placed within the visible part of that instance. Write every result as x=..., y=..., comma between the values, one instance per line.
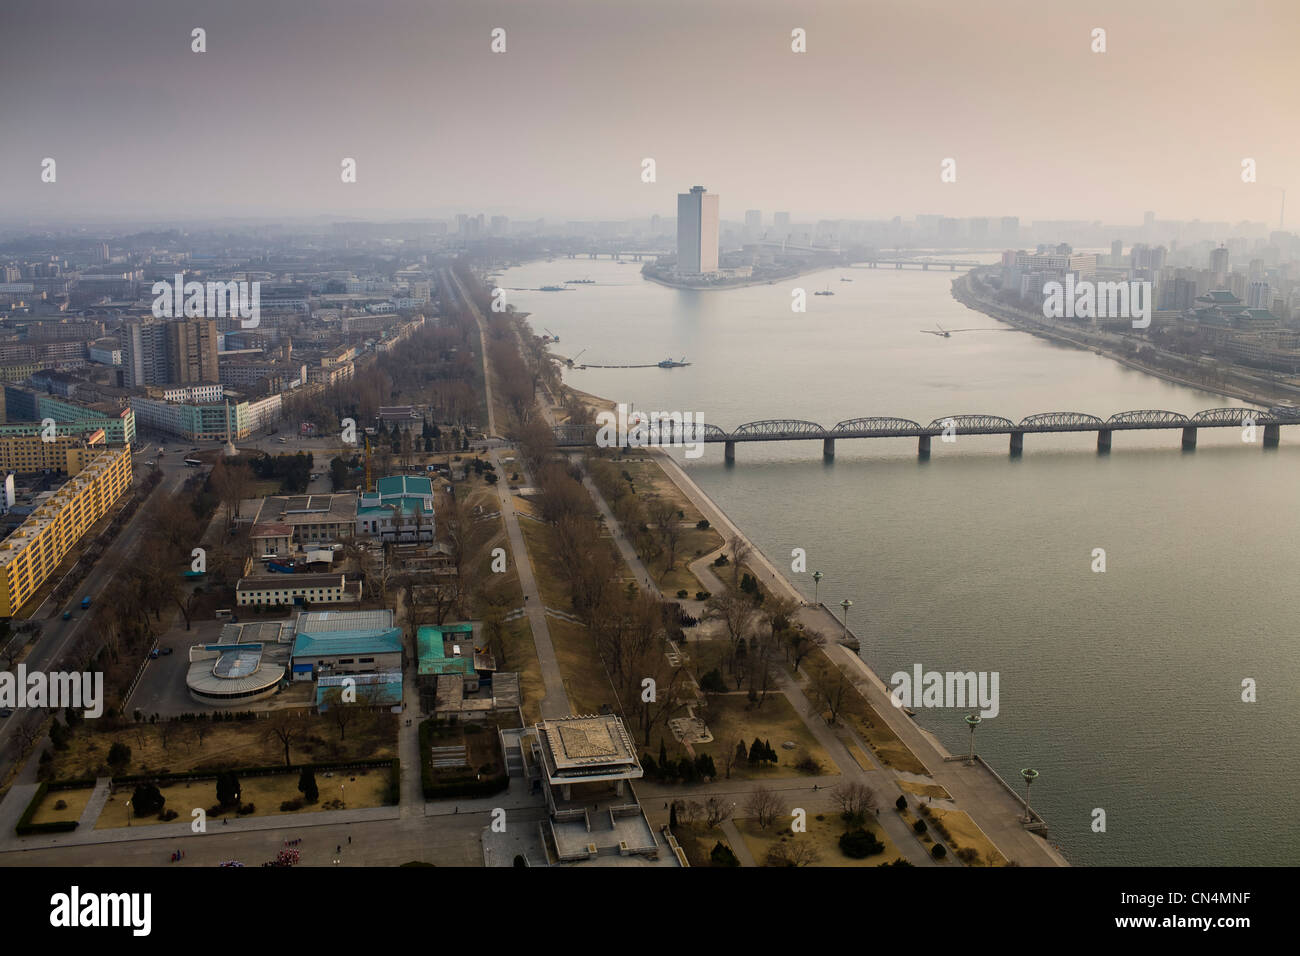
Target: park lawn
x=729, y=721
x=707, y=654
x=500, y=589
x=860, y=757
x=823, y=834
x=925, y=789
x=225, y=744
x=585, y=680
x=76, y=801
x=519, y=654
x=538, y=540
x=697, y=842
x=965, y=832
x=886, y=745
x=266, y=793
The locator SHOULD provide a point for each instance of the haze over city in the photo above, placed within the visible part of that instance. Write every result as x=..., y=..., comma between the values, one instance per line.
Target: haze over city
x=557, y=126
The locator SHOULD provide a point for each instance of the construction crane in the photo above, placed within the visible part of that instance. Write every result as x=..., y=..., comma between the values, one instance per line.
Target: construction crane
x=574, y=359
x=941, y=331
x=554, y=337
x=368, y=488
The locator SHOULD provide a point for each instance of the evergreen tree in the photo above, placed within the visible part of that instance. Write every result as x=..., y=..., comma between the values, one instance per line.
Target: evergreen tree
x=663, y=754
x=672, y=817
x=307, y=785
x=704, y=766
x=227, y=788
x=771, y=754
x=742, y=755
x=757, y=752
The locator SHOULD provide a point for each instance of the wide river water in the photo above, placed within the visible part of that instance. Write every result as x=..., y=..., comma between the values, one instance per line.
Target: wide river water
x=1123, y=688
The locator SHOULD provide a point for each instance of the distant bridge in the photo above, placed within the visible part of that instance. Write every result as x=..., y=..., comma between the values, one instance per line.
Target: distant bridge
x=634, y=254
x=952, y=264
x=667, y=432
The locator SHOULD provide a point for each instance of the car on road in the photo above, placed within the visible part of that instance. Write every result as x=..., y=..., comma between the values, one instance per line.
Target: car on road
x=151, y=463
x=67, y=615
x=153, y=654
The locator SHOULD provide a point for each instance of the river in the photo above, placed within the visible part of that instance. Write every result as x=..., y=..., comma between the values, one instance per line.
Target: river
x=1122, y=688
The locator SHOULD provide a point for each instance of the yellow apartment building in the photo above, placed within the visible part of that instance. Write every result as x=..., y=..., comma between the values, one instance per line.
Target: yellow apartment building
x=31, y=553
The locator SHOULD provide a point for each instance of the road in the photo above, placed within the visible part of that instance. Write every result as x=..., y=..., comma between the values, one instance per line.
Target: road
x=59, y=634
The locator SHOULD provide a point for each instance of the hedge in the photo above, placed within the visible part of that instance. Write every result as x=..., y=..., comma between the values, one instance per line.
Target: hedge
x=249, y=771
x=26, y=828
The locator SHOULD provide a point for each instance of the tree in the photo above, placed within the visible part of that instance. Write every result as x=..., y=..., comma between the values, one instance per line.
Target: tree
x=860, y=843
x=901, y=802
x=765, y=807
x=307, y=785
x=228, y=789
x=717, y=811
x=287, y=729
x=713, y=682
x=722, y=855
x=119, y=757
x=792, y=852
x=830, y=687
x=672, y=817
x=742, y=755
x=800, y=642
x=855, y=800
x=147, y=800
x=704, y=766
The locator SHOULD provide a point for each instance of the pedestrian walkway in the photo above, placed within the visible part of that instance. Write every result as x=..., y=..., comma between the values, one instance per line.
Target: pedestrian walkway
x=95, y=805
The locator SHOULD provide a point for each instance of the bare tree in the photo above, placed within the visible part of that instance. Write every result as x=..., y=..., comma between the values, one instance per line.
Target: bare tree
x=287, y=728
x=718, y=811
x=793, y=852
x=855, y=800
x=830, y=687
x=765, y=806
x=740, y=552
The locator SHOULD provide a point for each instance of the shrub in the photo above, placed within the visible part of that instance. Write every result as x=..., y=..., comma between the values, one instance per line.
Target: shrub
x=859, y=844
x=702, y=595
x=683, y=593
x=713, y=682
x=919, y=826
x=968, y=854
x=901, y=802
x=722, y=855
x=147, y=800
x=119, y=756
x=939, y=851
x=702, y=524
x=60, y=804
x=289, y=805
x=809, y=765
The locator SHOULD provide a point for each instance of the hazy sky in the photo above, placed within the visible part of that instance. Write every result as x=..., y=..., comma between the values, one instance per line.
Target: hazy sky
x=1040, y=126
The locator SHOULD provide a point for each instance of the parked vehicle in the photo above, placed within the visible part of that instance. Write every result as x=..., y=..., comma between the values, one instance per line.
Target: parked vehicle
x=85, y=602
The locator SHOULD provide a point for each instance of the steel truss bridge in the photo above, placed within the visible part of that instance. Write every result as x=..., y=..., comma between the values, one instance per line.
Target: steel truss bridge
x=946, y=429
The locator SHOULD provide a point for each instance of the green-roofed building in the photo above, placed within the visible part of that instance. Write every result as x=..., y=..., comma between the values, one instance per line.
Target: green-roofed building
x=399, y=509
x=449, y=649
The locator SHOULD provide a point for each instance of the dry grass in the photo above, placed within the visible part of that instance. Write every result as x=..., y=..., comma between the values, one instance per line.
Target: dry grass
x=265, y=793
x=886, y=745
x=537, y=538
x=965, y=832
x=925, y=789
x=730, y=719
x=585, y=680
x=824, y=835
x=520, y=655
x=225, y=744
x=75, y=801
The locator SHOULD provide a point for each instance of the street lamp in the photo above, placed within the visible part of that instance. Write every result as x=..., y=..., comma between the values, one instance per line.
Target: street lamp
x=128, y=812
x=817, y=580
x=846, y=604
x=1030, y=776
x=343, y=796
x=972, y=721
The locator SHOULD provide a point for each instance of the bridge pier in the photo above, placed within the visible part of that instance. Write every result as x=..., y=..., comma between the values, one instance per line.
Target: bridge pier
x=923, y=446
x=952, y=268
x=1017, y=444
x=729, y=452
x=828, y=447
x=925, y=267
x=898, y=265
x=1189, y=438
x=1272, y=435
x=1103, y=440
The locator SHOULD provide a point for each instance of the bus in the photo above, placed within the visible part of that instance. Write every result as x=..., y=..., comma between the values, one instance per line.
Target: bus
x=192, y=462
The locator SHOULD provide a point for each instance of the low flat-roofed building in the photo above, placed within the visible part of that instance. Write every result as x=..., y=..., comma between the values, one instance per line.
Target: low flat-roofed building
x=229, y=674
x=381, y=690
x=312, y=519
x=345, y=642
x=445, y=649
x=272, y=589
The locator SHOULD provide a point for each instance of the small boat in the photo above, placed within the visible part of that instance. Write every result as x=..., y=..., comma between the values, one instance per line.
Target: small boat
x=826, y=291
x=552, y=288
x=669, y=363
x=843, y=279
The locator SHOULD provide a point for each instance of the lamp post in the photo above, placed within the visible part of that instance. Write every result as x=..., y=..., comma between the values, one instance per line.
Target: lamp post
x=846, y=604
x=972, y=721
x=343, y=797
x=128, y=812
x=817, y=580
x=1030, y=776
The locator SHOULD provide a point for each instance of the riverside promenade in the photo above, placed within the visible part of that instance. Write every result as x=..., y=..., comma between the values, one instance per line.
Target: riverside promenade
x=977, y=789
